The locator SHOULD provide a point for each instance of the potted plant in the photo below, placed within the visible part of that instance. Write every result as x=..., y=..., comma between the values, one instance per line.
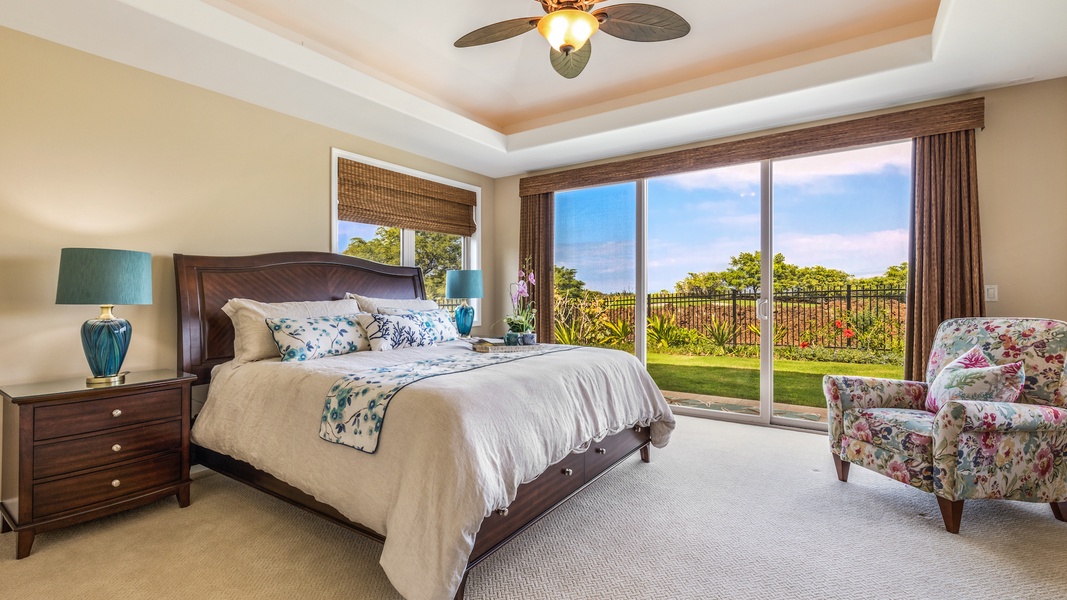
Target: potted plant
x=521, y=322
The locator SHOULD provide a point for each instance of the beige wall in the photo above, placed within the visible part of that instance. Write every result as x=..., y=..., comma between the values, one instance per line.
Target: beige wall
x=94, y=153
x=1022, y=181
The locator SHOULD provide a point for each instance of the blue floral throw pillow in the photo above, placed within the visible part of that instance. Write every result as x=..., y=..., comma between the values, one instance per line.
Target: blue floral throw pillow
x=389, y=332
x=309, y=338
x=437, y=321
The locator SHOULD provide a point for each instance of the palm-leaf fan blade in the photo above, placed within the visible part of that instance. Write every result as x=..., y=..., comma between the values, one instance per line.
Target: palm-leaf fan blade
x=570, y=65
x=497, y=32
x=641, y=22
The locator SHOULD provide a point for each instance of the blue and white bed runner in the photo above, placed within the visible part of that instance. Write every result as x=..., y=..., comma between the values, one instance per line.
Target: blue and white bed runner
x=355, y=407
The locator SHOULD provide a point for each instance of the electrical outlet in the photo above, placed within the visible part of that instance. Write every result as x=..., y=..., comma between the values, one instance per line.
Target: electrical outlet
x=990, y=293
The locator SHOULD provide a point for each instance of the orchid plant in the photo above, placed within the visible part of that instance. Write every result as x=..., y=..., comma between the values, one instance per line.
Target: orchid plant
x=522, y=303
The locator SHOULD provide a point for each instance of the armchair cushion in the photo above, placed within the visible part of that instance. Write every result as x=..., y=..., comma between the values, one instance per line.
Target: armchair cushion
x=973, y=377
x=902, y=430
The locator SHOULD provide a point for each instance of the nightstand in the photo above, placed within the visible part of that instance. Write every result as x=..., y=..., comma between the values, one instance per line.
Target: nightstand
x=73, y=453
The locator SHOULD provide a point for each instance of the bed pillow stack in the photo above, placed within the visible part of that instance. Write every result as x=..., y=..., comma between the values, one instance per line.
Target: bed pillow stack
x=253, y=339
x=301, y=331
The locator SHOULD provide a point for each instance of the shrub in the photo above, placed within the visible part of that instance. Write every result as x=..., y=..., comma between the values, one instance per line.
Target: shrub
x=619, y=332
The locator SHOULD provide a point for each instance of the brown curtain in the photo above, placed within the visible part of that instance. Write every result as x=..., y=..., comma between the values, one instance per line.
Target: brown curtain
x=537, y=243
x=369, y=194
x=945, y=258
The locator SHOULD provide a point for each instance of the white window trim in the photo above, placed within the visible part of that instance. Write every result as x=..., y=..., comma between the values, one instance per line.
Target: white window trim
x=472, y=245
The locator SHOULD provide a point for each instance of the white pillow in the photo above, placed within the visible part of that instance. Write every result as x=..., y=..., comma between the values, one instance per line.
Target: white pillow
x=437, y=321
x=252, y=339
x=371, y=305
x=317, y=337
x=389, y=332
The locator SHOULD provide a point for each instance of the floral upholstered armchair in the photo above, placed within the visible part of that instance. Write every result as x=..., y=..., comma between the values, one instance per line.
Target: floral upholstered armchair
x=989, y=422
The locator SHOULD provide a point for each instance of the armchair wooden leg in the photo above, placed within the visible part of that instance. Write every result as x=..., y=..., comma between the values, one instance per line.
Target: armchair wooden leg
x=842, y=468
x=951, y=512
x=1060, y=510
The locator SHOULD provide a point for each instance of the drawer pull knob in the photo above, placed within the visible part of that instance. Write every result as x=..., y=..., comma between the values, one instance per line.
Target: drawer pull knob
x=116, y=413
x=503, y=512
x=601, y=450
x=115, y=483
x=568, y=472
x=116, y=448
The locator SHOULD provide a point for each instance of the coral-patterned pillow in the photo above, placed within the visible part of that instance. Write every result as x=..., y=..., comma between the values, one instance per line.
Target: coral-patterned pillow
x=974, y=377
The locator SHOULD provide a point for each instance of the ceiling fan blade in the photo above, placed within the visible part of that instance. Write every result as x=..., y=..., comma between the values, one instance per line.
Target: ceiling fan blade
x=571, y=65
x=641, y=22
x=497, y=32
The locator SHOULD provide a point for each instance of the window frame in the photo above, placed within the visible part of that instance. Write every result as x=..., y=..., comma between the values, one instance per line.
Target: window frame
x=472, y=245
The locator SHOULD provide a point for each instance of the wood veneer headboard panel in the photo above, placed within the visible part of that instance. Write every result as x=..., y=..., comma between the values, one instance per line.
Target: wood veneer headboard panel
x=206, y=283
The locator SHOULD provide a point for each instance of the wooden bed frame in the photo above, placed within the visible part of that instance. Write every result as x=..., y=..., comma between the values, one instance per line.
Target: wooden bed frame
x=205, y=339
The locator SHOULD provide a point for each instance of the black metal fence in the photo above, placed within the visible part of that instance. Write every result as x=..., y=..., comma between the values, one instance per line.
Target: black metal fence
x=849, y=316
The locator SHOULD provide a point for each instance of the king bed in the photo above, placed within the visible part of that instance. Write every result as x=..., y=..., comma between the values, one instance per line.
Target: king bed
x=467, y=459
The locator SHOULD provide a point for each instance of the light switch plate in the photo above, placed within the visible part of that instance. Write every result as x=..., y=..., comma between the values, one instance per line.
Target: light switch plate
x=990, y=293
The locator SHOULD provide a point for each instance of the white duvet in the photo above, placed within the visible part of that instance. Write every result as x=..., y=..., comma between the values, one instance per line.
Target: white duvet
x=452, y=448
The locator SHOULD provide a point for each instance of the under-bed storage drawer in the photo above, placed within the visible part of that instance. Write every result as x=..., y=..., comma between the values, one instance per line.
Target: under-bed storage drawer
x=606, y=452
x=108, y=484
x=533, y=498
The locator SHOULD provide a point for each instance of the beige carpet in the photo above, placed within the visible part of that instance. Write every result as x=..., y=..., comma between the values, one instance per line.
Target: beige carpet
x=725, y=511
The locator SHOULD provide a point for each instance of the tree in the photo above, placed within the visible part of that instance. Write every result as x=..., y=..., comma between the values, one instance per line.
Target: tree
x=707, y=282
x=436, y=253
x=567, y=283
x=743, y=275
x=894, y=276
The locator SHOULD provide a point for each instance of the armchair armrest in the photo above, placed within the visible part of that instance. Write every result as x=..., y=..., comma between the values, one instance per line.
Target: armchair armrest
x=977, y=438
x=875, y=392
x=848, y=393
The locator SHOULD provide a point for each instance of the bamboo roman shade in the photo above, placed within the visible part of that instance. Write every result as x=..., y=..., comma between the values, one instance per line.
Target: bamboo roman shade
x=370, y=194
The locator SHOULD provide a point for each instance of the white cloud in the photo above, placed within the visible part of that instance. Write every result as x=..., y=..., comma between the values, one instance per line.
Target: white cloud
x=861, y=254
x=876, y=159
x=800, y=171
x=739, y=178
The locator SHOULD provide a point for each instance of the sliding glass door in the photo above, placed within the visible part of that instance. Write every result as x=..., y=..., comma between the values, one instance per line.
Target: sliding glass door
x=840, y=236
x=704, y=287
x=749, y=282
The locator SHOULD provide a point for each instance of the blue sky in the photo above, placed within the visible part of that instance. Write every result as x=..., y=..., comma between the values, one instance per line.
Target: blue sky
x=845, y=210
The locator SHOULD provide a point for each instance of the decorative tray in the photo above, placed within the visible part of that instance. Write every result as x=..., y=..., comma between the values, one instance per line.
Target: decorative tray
x=480, y=345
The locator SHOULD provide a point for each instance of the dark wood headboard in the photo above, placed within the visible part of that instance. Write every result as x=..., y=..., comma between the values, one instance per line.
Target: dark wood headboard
x=206, y=283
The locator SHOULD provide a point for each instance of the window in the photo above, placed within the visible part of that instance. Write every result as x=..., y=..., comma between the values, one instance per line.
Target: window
x=398, y=216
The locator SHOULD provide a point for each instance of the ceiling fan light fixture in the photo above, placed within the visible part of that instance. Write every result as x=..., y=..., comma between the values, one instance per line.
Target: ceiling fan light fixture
x=567, y=30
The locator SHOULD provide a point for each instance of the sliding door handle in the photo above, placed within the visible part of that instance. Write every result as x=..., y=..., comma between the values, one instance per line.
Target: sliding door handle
x=763, y=310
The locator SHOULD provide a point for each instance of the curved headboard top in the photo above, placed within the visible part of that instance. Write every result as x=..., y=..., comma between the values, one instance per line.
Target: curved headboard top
x=206, y=283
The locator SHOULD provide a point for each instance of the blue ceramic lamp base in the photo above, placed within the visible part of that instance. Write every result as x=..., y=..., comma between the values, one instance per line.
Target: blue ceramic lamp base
x=464, y=319
x=105, y=340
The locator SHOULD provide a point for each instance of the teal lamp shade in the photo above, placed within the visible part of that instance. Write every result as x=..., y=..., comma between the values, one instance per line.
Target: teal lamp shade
x=105, y=278
x=464, y=284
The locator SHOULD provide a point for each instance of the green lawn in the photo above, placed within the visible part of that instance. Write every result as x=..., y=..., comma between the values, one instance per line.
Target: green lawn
x=795, y=382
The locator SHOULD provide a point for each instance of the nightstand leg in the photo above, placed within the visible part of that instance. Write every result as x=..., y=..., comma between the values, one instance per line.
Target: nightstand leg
x=646, y=454
x=183, y=496
x=24, y=543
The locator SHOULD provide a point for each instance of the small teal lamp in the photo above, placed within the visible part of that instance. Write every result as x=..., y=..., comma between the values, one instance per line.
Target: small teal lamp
x=464, y=284
x=106, y=278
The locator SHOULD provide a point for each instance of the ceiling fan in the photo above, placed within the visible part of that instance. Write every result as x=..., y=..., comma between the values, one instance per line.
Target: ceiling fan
x=568, y=25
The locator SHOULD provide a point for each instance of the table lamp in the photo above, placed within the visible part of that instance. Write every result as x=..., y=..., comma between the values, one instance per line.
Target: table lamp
x=464, y=284
x=106, y=278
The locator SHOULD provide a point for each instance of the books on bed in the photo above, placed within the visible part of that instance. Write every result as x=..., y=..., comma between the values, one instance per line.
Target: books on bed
x=497, y=345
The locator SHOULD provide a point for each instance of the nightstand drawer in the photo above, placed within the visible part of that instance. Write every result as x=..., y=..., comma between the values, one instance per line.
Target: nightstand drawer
x=95, y=415
x=64, y=457
x=84, y=490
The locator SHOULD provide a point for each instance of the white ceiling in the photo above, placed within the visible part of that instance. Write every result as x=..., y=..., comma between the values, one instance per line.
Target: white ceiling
x=387, y=71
